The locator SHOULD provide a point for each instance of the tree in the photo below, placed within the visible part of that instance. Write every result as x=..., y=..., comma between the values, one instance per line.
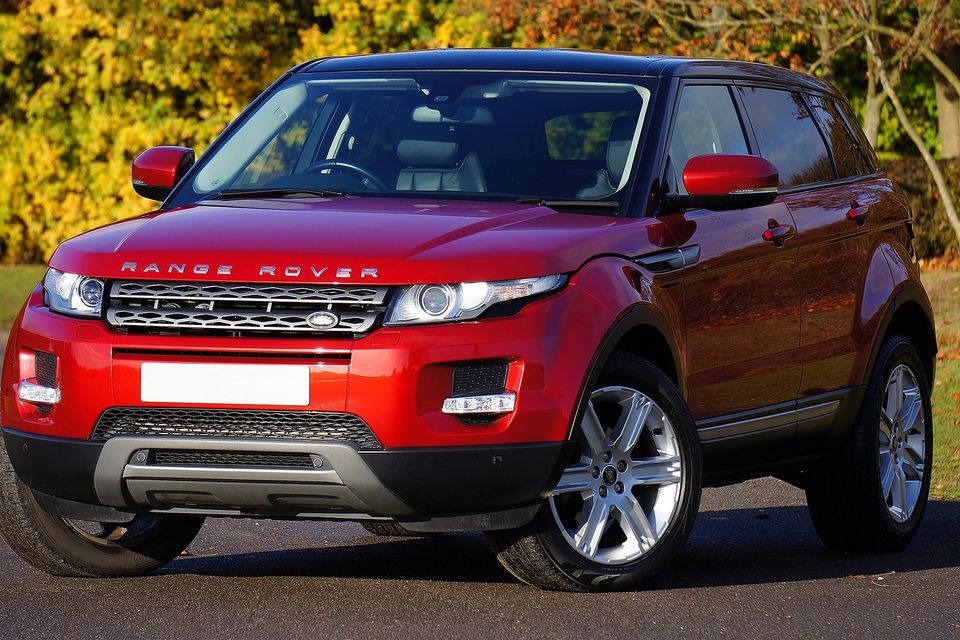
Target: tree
x=918, y=40
x=86, y=84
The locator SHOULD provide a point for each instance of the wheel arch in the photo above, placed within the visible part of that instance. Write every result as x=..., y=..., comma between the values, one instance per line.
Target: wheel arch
x=648, y=342
x=642, y=332
x=910, y=315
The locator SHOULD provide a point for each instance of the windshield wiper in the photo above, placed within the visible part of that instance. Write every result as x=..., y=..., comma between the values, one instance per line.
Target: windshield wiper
x=596, y=205
x=284, y=192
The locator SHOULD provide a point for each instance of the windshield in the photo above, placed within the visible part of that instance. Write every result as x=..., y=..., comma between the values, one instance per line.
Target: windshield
x=480, y=135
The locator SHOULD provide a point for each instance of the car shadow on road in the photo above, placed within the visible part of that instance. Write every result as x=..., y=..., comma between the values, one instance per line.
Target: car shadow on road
x=448, y=558
x=758, y=546
x=727, y=548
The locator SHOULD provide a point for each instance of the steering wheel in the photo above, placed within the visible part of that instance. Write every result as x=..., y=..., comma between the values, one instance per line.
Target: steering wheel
x=348, y=166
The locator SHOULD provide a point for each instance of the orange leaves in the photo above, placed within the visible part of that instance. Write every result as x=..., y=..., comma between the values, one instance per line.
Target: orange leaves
x=85, y=85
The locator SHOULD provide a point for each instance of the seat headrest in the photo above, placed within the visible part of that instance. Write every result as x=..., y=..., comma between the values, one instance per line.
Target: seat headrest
x=618, y=145
x=428, y=145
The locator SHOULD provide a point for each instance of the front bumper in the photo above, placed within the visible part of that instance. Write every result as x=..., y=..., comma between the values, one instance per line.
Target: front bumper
x=394, y=379
x=410, y=484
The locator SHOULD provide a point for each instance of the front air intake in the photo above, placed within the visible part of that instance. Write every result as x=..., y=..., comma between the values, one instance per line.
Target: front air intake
x=235, y=423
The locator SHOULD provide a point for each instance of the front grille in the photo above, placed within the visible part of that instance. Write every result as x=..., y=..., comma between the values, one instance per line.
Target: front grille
x=177, y=458
x=479, y=379
x=234, y=423
x=243, y=309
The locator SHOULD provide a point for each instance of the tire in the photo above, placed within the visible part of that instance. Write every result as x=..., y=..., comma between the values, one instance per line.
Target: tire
x=849, y=507
x=63, y=547
x=663, y=476
x=394, y=530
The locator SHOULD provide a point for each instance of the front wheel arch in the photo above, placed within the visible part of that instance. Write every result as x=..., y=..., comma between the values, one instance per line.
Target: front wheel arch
x=642, y=332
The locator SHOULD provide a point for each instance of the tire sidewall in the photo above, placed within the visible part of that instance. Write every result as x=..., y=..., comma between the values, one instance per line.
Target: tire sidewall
x=46, y=541
x=630, y=371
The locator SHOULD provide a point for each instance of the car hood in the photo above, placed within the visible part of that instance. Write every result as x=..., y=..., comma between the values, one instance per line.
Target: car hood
x=354, y=239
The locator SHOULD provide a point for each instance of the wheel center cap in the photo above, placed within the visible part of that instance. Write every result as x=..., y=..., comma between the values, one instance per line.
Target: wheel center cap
x=609, y=474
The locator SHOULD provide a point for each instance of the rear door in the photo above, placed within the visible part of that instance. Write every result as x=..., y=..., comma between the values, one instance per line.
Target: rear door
x=833, y=248
x=838, y=226
x=741, y=299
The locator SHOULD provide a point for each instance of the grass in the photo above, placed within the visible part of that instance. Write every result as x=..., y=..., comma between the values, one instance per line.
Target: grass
x=15, y=283
x=944, y=290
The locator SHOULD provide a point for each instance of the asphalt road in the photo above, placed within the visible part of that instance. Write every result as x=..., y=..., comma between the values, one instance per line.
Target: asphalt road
x=752, y=568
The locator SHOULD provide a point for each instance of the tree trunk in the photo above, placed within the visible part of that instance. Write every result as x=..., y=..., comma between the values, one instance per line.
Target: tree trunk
x=873, y=105
x=823, y=32
x=948, y=104
x=945, y=196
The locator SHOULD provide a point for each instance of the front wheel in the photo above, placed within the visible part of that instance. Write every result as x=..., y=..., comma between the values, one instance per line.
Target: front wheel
x=627, y=500
x=65, y=547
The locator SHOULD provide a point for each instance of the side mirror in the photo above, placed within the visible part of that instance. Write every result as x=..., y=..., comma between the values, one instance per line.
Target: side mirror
x=157, y=170
x=720, y=181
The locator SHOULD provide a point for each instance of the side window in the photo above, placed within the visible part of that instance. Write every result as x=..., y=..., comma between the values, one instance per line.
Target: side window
x=846, y=153
x=706, y=122
x=854, y=125
x=581, y=136
x=788, y=136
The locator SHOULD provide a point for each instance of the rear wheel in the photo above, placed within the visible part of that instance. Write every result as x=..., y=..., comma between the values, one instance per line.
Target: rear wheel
x=66, y=547
x=628, y=498
x=872, y=495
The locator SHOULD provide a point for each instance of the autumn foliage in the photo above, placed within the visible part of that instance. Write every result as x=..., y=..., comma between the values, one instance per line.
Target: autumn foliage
x=87, y=84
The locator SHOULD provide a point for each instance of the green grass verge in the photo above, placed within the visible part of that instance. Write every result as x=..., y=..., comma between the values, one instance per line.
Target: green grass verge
x=943, y=287
x=944, y=290
x=15, y=283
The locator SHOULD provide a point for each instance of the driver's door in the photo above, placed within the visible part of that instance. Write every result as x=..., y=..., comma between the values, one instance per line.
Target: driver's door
x=741, y=299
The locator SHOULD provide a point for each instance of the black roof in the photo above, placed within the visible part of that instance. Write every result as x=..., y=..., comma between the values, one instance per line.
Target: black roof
x=563, y=60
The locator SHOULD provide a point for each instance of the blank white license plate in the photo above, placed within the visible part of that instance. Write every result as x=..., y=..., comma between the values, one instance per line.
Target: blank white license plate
x=252, y=384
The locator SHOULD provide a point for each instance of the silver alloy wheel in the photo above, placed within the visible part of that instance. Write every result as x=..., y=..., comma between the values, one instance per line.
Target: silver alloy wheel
x=902, y=439
x=616, y=501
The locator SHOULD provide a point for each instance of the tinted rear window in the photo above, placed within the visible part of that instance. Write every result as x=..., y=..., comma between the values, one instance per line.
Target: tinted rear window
x=858, y=134
x=788, y=136
x=846, y=153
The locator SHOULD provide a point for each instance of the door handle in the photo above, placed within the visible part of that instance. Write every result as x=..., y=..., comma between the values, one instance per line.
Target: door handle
x=858, y=214
x=778, y=233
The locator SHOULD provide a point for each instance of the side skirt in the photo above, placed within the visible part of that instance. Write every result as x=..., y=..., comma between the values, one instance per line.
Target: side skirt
x=777, y=437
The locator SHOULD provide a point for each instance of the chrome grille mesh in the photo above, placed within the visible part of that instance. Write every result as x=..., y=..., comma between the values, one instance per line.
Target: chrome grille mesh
x=234, y=423
x=239, y=309
x=248, y=292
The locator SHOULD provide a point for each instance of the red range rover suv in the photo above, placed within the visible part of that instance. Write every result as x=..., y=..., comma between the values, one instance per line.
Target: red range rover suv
x=547, y=295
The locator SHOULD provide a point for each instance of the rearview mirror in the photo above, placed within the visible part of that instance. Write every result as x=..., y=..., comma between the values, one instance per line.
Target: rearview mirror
x=720, y=181
x=157, y=170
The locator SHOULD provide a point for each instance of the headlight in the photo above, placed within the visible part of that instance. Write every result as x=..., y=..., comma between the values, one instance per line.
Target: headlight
x=448, y=302
x=71, y=294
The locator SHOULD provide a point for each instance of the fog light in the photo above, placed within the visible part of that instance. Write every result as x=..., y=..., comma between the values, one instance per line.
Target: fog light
x=38, y=394
x=495, y=403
